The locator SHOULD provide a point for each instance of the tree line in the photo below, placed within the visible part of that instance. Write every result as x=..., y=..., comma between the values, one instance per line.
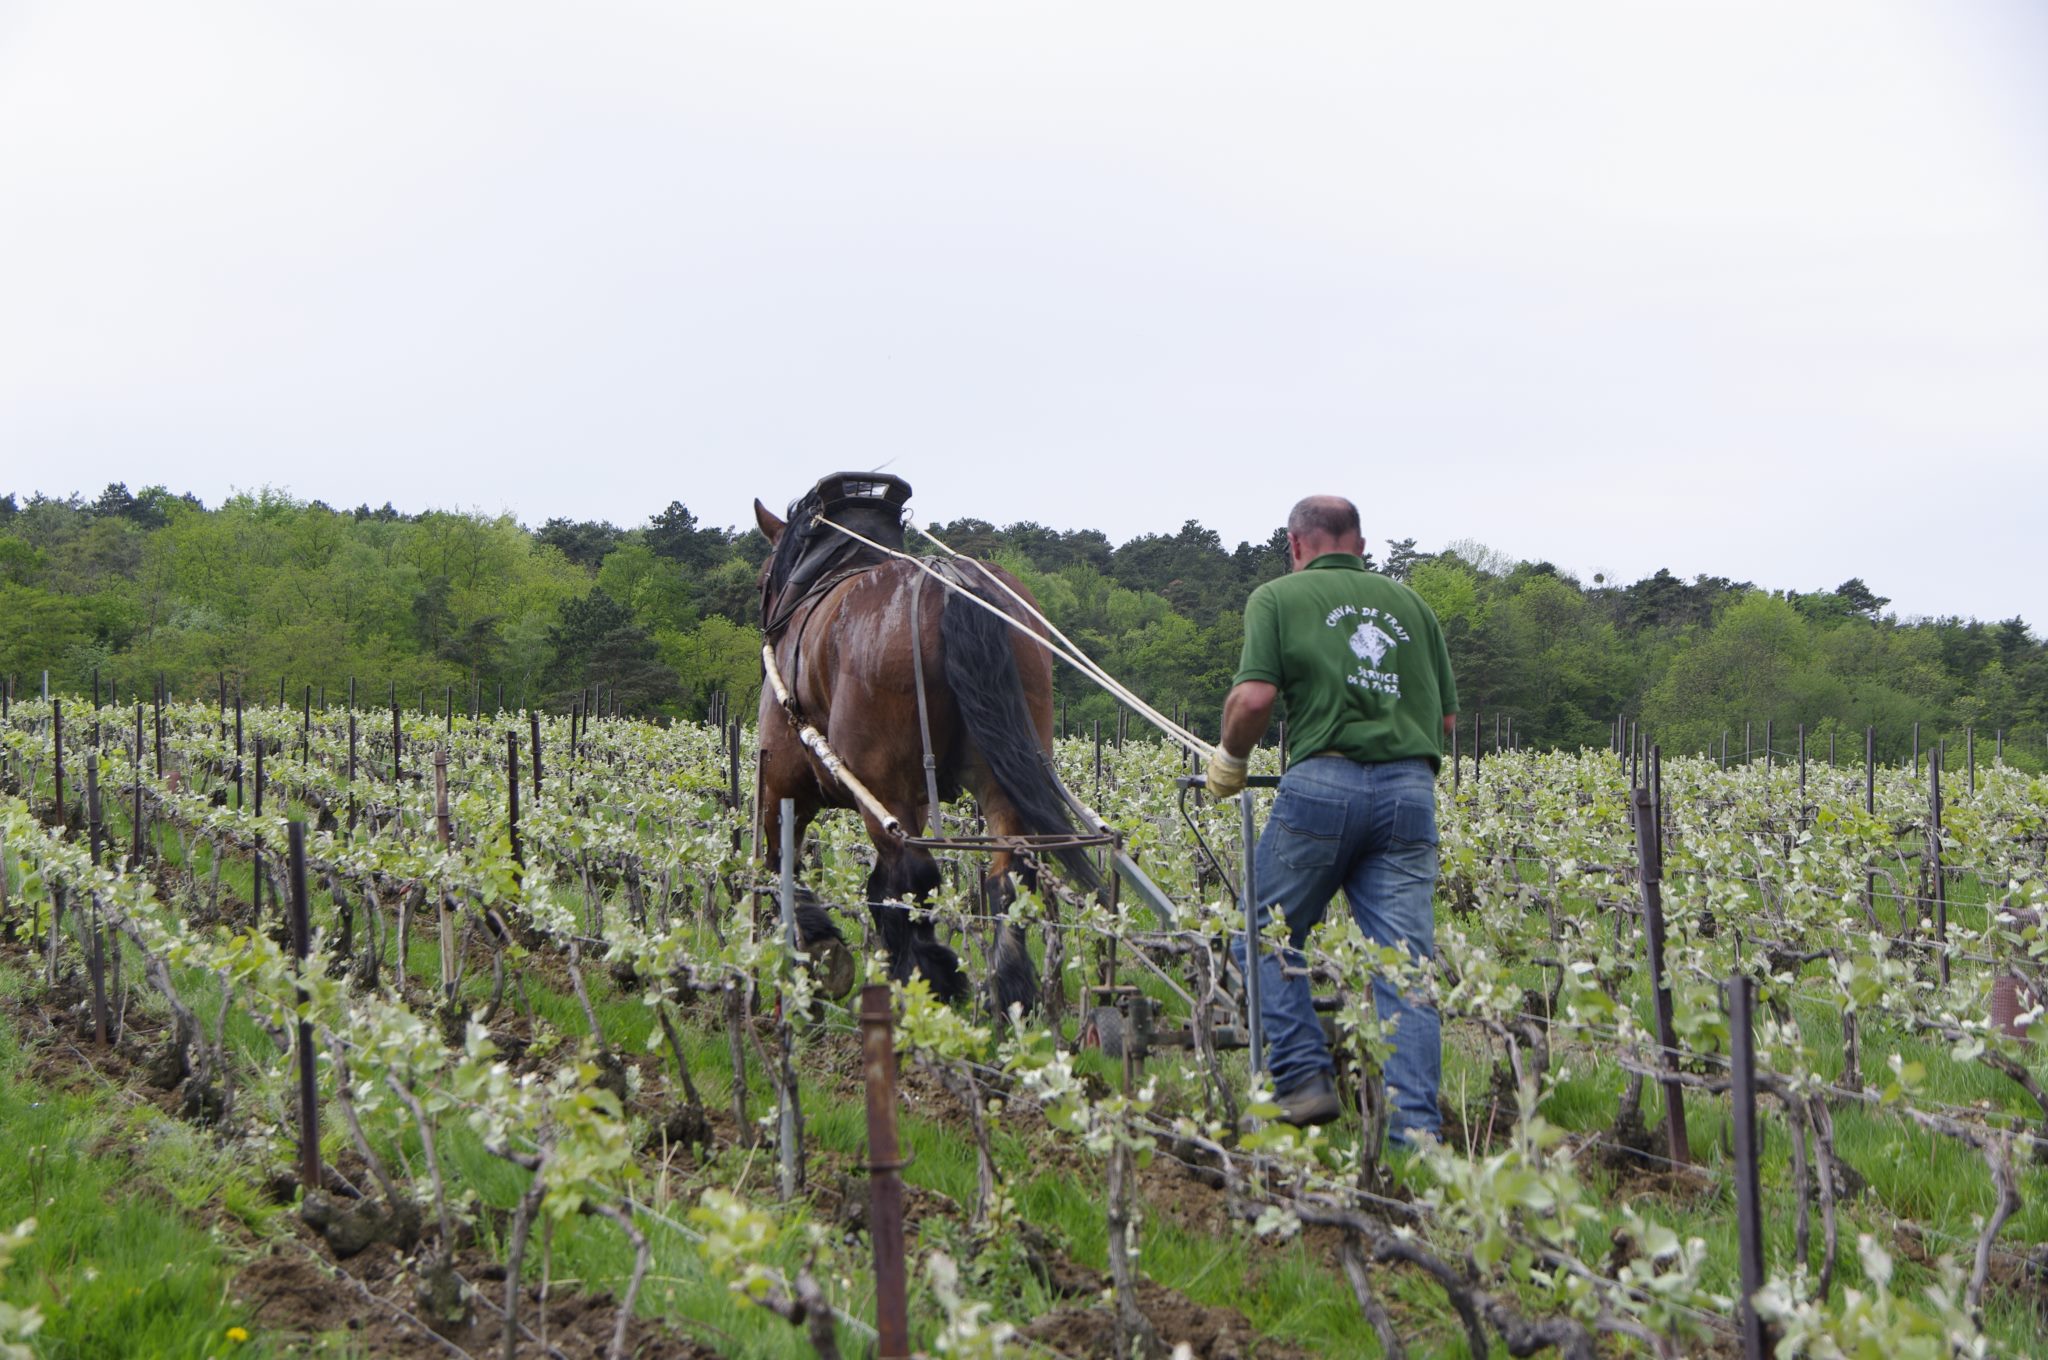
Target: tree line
x=266, y=587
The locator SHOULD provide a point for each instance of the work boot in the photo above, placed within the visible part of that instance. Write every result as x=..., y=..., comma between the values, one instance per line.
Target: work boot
x=1312, y=1102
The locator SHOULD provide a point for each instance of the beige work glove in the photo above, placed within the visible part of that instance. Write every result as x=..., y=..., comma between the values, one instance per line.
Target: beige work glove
x=1226, y=774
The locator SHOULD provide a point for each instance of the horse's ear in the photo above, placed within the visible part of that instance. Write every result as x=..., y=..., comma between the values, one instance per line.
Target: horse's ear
x=771, y=527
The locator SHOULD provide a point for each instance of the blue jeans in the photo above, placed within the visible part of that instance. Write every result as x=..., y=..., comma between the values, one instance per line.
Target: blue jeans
x=1369, y=830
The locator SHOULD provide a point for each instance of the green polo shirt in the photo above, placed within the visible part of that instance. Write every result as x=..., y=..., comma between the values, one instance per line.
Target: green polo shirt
x=1360, y=659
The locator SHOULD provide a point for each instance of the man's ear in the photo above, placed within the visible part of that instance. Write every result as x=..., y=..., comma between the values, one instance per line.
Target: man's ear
x=771, y=527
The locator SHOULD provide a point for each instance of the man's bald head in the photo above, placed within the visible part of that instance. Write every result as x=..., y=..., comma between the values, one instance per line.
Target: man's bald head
x=1320, y=524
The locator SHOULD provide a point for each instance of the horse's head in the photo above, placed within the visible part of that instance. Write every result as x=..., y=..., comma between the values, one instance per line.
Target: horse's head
x=802, y=550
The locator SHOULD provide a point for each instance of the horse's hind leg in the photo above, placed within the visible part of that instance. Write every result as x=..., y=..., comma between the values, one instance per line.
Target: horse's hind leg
x=902, y=874
x=1013, y=978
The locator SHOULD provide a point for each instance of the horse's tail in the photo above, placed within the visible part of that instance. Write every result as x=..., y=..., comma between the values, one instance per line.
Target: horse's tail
x=981, y=671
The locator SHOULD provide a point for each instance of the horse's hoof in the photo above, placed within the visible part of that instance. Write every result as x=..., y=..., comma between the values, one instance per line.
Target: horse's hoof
x=831, y=967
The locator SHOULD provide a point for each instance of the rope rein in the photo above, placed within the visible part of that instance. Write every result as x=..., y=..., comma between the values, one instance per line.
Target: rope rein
x=1064, y=647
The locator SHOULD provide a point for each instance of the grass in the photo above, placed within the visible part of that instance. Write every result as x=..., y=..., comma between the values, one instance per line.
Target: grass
x=113, y=1270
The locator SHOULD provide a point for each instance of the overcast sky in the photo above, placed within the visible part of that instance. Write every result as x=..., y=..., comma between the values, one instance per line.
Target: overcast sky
x=1756, y=289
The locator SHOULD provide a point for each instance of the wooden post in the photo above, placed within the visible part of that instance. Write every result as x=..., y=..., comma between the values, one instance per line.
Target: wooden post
x=1749, y=1229
x=1916, y=750
x=57, y=764
x=302, y=944
x=397, y=740
x=1255, y=1018
x=256, y=854
x=157, y=722
x=512, y=797
x=1748, y=744
x=1657, y=798
x=885, y=1180
x=732, y=769
x=1456, y=768
x=135, y=856
x=1870, y=805
x=1098, y=760
x=1802, y=763
x=789, y=1117
x=1938, y=886
x=1476, y=744
x=1651, y=870
x=441, y=836
x=533, y=718
x=351, y=768
x=306, y=729
x=94, y=826
x=240, y=799
x=96, y=957
x=1970, y=754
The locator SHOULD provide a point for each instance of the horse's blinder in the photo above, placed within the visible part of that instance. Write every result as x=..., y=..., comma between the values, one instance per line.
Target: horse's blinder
x=869, y=503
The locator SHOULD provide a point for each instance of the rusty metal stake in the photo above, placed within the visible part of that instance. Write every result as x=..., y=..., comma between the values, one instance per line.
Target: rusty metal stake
x=885, y=1181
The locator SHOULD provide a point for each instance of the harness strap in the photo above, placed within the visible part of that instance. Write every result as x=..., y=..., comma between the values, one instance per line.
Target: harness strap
x=812, y=738
x=924, y=718
x=1058, y=644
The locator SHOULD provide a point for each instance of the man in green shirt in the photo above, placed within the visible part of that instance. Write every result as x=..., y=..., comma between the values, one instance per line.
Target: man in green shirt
x=1370, y=698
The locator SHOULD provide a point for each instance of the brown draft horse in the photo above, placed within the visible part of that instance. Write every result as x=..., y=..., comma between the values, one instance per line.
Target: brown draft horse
x=839, y=617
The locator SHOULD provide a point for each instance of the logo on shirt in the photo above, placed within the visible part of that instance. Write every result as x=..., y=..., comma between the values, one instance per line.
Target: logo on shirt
x=1374, y=635
x=1369, y=644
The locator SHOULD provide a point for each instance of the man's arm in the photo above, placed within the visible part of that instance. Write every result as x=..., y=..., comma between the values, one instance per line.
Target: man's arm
x=1247, y=712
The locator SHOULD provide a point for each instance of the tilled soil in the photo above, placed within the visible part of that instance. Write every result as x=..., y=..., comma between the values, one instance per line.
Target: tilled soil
x=297, y=1290
x=295, y=1293
x=1086, y=1331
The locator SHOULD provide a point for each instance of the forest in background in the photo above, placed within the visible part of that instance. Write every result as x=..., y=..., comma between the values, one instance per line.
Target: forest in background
x=266, y=587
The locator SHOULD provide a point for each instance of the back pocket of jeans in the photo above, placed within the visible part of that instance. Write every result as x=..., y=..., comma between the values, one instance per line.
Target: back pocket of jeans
x=1415, y=822
x=1311, y=829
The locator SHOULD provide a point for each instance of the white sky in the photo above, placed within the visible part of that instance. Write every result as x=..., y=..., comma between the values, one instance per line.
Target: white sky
x=1758, y=289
